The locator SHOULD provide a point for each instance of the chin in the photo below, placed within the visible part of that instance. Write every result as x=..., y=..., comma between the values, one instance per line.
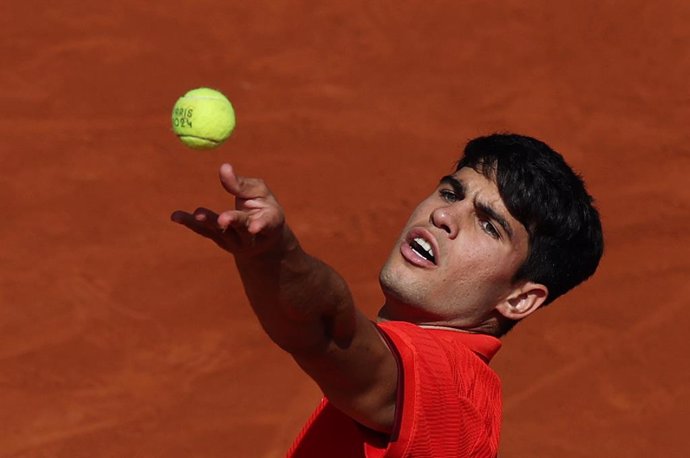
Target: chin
x=403, y=300
x=392, y=283
x=398, y=276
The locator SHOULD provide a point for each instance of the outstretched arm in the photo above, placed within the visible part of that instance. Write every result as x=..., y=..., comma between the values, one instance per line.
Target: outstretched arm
x=303, y=305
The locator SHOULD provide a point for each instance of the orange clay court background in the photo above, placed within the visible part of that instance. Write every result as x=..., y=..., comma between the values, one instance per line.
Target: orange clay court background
x=124, y=335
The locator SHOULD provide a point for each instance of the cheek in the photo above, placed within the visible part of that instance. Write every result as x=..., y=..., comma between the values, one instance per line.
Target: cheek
x=419, y=215
x=422, y=212
x=482, y=263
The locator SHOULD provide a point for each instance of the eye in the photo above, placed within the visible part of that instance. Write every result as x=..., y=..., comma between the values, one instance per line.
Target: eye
x=448, y=195
x=489, y=228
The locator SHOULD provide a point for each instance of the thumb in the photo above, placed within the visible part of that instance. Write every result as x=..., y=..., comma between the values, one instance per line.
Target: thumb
x=241, y=187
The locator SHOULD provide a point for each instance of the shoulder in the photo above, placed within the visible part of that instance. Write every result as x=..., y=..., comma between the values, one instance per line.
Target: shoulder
x=444, y=380
x=452, y=361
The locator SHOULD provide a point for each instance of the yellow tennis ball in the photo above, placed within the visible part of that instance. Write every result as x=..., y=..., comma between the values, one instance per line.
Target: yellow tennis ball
x=203, y=118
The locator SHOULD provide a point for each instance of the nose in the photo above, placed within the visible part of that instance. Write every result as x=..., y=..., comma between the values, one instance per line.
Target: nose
x=442, y=218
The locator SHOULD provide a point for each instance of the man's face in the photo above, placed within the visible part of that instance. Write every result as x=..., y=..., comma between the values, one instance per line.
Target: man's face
x=456, y=256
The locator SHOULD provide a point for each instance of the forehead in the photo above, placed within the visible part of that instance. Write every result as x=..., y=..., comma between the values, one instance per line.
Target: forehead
x=476, y=183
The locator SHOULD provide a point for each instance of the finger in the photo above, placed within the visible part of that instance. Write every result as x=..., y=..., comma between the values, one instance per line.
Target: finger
x=205, y=215
x=233, y=218
x=257, y=225
x=190, y=221
x=238, y=224
x=201, y=217
x=242, y=187
x=178, y=216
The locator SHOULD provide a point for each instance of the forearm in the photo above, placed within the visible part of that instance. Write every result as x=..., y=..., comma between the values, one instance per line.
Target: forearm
x=302, y=303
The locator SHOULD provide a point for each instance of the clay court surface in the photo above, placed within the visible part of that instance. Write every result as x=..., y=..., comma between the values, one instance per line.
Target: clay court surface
x=124, y=335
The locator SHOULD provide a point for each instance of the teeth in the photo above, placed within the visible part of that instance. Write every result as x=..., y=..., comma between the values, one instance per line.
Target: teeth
x=425, y=245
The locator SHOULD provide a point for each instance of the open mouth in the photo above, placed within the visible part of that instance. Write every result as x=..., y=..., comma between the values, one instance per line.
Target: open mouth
x=423, y=249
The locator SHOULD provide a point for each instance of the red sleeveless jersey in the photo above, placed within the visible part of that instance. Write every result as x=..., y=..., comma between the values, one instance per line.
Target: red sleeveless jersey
x=449, y=402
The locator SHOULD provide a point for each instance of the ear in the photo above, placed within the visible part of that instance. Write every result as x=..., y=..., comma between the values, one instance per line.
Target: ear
x=523, y=301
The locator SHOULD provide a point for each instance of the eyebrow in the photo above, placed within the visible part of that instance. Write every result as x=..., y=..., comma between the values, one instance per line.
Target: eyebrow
x=459, y=188
x=457, y=185
x=494, y=215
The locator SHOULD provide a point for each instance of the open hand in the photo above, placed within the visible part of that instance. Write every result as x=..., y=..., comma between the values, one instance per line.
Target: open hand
x=255, y=225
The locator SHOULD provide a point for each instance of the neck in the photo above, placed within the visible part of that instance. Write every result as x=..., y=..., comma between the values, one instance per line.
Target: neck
x=490, y=325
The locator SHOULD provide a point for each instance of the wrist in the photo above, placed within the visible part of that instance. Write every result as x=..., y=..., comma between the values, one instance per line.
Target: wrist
x=264, y=247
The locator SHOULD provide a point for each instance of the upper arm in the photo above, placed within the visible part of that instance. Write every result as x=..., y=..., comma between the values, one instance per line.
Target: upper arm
x=357, y=373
